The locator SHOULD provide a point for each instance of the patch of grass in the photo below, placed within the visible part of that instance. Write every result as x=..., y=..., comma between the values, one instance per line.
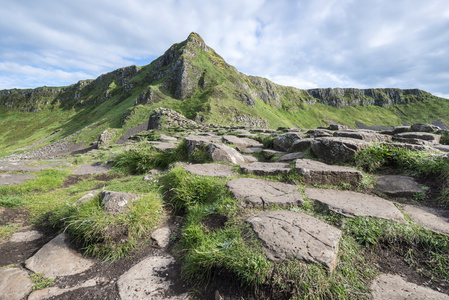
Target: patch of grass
x=40, y=282
x=444, y=139
x=7, y=230
x=11, y=201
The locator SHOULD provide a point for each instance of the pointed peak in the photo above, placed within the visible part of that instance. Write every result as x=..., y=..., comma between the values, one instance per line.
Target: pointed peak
x=197, y=41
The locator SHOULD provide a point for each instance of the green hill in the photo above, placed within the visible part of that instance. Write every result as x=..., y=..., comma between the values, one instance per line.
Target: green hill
x=194, y=80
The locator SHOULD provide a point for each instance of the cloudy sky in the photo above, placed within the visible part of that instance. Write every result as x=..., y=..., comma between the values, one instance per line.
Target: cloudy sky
x=303, y=43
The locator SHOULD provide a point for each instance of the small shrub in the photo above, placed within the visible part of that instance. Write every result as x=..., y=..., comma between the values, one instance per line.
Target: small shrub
x=444, y=139
x=11, y=201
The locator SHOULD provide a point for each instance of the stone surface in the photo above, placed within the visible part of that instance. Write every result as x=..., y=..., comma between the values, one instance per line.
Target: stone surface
x=195, y=141
x=214, y=170
x=146, y=280
x=300, y=145
x=315, y=172
x=291, y=156
x=424, y=128
x=363, y=135
x=285, y=141
x=393, y=287
x=315, y=133
x=107, y=137
x=337, y=149
x=162, y=118
x=353, y=204
x=161, y=236
x=251, y=150
x=241, y=143
x=266, y=168
x=25, y=236
x=400, y=129
x=442, y=148
x=263, y=193
x=116, y=202
x=411, y=136
x=268, y=154
x=429, y=218
x=161, y=147
x=90, y=195
x=94, y=168
x=398, y=186
x=220, y=152
x=58, y=258
x=55, y=291
x=287, y=234
x=10, y=179
x=14, y=284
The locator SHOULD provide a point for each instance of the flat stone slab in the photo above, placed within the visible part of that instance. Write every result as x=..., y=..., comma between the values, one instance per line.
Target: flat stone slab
x=91, y=169
x=214, y=170
x=429, y=218
x=363, y=135
x=15, y=284
x=263, y=193
x=352, y=204
x=55, y=291
x=57, y=258
x=315, y=172
x=266, y=168
x=337, y=149
x=30, y=166
x=11, y=179
x=166, y=146
x=398, y=186
x=146, y=280
x=393, y=287
x=241, y=142
x=25, y=236
x=286, y=234
x=221, y=152
x=291, y=156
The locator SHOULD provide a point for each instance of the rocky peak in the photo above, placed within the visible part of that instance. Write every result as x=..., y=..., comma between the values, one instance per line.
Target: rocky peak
x=196, y=41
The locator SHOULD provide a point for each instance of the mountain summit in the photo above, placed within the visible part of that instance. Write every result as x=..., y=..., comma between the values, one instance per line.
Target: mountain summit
x=193, y=79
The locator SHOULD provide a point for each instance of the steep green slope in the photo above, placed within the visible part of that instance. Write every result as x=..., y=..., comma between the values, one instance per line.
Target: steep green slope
x=194, y=80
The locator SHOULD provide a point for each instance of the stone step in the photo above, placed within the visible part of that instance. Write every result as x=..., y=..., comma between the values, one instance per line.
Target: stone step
x=353, y=204
x=398, y=186
x=266, y=168
x=429, y=218
x=214, y=170
x=315, y=172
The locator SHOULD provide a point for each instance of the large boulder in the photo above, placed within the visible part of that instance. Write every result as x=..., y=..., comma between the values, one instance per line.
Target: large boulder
x=315, y=172
x=263, y=193
x=292, y=235
x=199, y=141
x=285, y=141
x=398, y=186
x=161, y=118
x=107, y=137
x=337, y=149
x=416, y=137
x=220, y=152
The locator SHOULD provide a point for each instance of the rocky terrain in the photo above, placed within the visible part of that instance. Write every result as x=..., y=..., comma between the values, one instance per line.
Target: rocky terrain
x=298, y=202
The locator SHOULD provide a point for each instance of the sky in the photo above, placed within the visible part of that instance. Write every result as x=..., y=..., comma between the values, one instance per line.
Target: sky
x=304, y=43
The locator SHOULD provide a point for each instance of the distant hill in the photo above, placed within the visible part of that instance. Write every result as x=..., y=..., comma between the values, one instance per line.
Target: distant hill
x=193, y=79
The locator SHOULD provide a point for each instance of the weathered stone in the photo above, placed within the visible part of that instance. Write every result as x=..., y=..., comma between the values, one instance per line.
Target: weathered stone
x=429, y=218
x=398, y=186
x=241, y=143
x=11, y=179
x=368, y=136
x=285, y=141
x=266, y=168
x=287, y=234
x=291, y=156
x=263, y=193
x=300, y=145
x=400, y=129
x=166, y=146
x=90, y=195
x=161, y=236
x=250, y=159
x=315, y=172
x=268, y=154
x=57, y=258
x=393, y=287
x=214, y=170
x=14, y=284
x=25, y=236
x=220, y=152
x=408, y=146
x=352, y=204
x=116, y=202
x=337, y=127
x=337, y=149
x=56, y=291
x=424, y=128
x=315, y=133
x=162, y=118
x=197, y=141
x=107, y=137
x=251, y=150
x=146, y=280
x=410, y=137
x=442, y=148
x=94, y=168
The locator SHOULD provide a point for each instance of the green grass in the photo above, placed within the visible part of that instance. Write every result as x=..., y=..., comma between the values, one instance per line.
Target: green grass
x=40, y=282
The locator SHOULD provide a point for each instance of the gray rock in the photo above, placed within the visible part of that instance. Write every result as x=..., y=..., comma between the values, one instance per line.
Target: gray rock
x=196, y=141
x=287, y=235
x=116, y=202
x=107, y=137
x=393, y=287
x=315, y=172
x=337, y=127
x=220, y=152
x=250, y=159
x=161, y=236
x=429, y=218
x=268, y=154
x=14, y=284
x=11, y=179
x=56, y=291
x=442, y=148
x=263, y=193
x=363, y=135
x=57, y=258
x=251, y=150
x=398, y=186
x=161, y=118
x=25, y=236
x=285, y=141
x=94, y=168
x=90, y=195
x=315, y=133
x=146, y=280
x=400, y=129
x=291, y=156
x=337, y=149
x=300, y=145
x=410, y=137
x=352, y=204
x=166, y=146
x=424, y=128
x=266, y=168
x=241, y=143
x=214, y=170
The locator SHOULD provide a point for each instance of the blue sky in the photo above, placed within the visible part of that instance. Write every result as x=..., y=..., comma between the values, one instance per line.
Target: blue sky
x=306, y=44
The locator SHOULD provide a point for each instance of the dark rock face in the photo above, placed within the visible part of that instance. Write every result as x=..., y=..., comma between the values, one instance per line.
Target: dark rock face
x=424, y=128
x=336, y=149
